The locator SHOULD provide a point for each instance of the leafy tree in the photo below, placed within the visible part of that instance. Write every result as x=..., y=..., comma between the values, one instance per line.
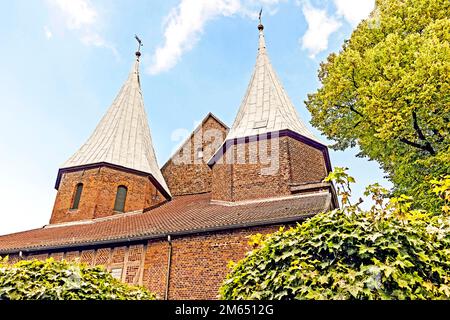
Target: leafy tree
x=54, y=280
x=388, y=92
x=387, y=252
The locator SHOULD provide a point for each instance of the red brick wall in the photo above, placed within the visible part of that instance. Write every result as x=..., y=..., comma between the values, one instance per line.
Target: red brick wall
x=307, y=163
x=102, y=257
x=99, y=193
x=185, y=173
x=58, y=256
x=155, y=269
x=222, y=188
x=254, y=174
x=199, y=262
x=72, y=256
x=41, y=256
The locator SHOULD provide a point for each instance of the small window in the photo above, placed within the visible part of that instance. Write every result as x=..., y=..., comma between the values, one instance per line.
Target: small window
x=121, y=196
x=260, y=124
x=117, y=273
x=200, y=153
x=77, y=196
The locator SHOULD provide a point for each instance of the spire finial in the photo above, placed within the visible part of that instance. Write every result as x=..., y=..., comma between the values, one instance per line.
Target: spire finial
x=260, y=26
x=138, y=52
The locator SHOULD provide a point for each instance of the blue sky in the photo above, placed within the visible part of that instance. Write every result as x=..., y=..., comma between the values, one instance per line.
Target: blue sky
x=63, y=61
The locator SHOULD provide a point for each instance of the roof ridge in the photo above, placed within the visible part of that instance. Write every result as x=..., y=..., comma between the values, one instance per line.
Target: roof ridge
x=92, y=221
x=265, y=200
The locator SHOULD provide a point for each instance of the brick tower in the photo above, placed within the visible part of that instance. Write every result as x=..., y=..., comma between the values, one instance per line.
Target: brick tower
x=116, y=170
x=268, y=152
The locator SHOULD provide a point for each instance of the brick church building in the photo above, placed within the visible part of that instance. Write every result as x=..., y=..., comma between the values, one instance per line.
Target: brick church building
x=174, y=229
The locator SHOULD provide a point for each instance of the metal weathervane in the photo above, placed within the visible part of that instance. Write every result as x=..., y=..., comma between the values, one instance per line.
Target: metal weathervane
x=139, y=43
x=138, y=52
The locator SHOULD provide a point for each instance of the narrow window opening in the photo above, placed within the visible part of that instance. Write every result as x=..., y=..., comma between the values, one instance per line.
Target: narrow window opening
x=77, y=196
x=121, y=196
x=200, y=153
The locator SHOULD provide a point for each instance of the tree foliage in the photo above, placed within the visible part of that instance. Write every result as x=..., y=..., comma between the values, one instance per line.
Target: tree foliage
x=54, y=280
x=388, y=92
x=387, y=252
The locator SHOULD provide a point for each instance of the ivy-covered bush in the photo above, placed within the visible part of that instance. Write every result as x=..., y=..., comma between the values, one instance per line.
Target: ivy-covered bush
x=62, y=280
x=387, y=252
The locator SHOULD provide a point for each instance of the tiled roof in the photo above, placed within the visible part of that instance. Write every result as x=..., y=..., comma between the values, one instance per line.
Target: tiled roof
x=122, y=137
x=183, y=215
x=266, y=106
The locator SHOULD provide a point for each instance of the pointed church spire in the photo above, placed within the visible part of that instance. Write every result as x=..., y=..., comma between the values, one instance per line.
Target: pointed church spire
x=266, y=106
x=122, y=137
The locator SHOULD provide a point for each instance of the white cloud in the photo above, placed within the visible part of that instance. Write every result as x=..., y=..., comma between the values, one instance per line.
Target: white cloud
x=82, y=18
x=94, y=39
x=320, y=27
x=354, y=10
x=48, y=33
x=185, y=24
x=79, y=13
x=183, y=27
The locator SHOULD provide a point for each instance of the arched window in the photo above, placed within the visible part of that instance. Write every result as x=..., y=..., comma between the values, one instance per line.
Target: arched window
x=121, y=196
x=77, y=196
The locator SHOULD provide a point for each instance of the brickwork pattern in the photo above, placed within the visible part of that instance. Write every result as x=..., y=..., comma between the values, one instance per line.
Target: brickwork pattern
x=87, y=256
x=245, y=173
x=102, y=256
x=307, y=164
x=41, y=256
x=58, y=256
x=193, y=175
x=155, y=267
x=199, y=262
x=72, y=256
x=99, y=193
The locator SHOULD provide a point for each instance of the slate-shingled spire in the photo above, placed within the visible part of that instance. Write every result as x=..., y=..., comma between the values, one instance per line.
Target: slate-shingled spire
x=266, y=107
x=123, y=136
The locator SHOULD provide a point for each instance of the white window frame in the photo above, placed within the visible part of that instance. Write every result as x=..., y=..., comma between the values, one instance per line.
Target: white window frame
x=115, y=273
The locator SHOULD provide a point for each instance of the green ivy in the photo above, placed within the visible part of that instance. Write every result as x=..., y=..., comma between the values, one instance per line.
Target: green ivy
x=63, y=280
x=387, y=252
